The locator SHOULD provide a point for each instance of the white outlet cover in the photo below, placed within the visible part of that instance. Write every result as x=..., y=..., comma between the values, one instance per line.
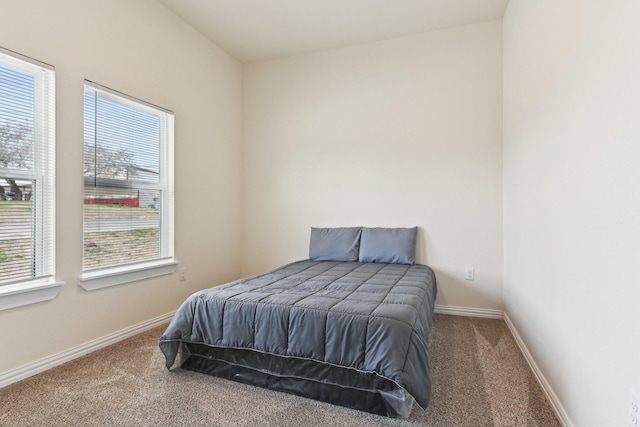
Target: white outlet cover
x=469, y=273
x=634, y=408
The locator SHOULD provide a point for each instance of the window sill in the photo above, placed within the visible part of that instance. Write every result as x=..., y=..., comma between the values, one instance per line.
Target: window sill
x=26, y=293
x=119, y=275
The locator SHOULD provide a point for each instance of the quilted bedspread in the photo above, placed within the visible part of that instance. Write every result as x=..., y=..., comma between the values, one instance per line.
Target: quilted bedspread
x=368, y=317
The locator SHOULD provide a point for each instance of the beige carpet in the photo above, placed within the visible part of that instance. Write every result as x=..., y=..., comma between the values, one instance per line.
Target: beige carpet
x=479, y=379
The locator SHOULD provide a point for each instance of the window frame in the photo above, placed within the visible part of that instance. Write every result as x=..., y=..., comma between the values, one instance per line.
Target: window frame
x=165, y=263
x=42, y=285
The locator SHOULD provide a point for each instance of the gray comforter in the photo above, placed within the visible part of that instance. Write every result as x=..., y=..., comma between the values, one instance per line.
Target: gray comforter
x=370, y=318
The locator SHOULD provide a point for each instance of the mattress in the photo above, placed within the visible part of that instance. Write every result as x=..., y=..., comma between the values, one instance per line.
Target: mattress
x=350, y=333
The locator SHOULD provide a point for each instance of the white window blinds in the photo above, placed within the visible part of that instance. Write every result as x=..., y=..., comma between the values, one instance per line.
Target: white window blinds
x=128, y=180
x=27, y=169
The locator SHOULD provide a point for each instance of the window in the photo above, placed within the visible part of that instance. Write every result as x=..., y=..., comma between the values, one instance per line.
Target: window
x=27, y=173
x=128, y=187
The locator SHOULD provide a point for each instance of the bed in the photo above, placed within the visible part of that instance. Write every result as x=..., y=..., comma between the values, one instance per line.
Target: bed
x=352, y=332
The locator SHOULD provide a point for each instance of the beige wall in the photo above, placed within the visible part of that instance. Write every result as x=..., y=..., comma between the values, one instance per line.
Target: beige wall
x=397, y=133
x=139, y=48
x=572, y=199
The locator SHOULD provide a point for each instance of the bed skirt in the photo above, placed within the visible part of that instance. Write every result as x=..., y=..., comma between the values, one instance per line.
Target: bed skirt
x=365, y=391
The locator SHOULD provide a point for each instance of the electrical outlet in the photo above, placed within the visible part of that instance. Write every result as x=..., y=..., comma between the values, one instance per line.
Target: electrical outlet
x=634, y=408
x=183, y=274
x=469, y=273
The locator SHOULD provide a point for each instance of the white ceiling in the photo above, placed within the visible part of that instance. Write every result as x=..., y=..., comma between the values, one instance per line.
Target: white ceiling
x=252, y=30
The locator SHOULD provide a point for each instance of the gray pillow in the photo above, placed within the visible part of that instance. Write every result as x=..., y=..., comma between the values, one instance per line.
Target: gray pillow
x=390, y=245
x=335, y=244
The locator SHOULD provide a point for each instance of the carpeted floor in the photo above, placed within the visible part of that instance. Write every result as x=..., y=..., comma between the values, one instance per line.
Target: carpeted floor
x=480, y=378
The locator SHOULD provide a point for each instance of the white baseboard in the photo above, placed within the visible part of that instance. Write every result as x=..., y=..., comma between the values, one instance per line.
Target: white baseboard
x=49, y=362
x=467, y=311
x=561, y=413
